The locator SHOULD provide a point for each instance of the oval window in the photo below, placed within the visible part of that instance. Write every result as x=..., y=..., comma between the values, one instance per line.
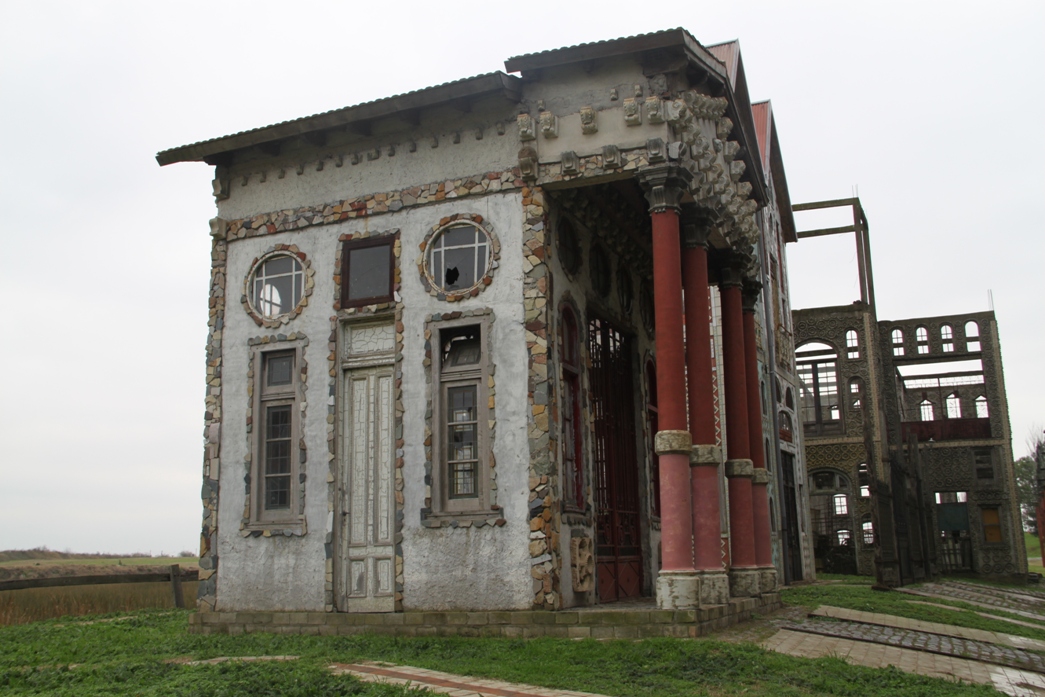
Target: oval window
x=459, y=257
x=277, y=285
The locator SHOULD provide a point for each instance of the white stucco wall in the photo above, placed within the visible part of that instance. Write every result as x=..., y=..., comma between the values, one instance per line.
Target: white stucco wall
x=478, y=568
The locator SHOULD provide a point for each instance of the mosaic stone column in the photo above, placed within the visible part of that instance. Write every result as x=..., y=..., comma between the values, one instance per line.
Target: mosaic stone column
x=743, y=574
x=677, y=584
x=706, y=455
x=760, y=475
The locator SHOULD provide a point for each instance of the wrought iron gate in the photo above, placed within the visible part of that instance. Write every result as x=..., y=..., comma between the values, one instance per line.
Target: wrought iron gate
x=619, y=551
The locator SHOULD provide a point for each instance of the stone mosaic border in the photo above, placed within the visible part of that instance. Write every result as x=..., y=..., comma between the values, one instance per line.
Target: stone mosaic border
x=297, y=527
x=278, y=321
x=544, y=496
x=294, y=219
x=492, y=263
x=429, y=517
x=207, y=593
x=394, y=311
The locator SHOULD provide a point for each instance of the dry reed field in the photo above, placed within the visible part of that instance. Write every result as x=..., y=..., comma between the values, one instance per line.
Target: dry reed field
x=33, y=604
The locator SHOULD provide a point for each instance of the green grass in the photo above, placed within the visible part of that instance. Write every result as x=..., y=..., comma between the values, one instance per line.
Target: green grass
x=902, y=605
x=103, y=561
x=1033, y=544
x=129, y=657
x=846, y=578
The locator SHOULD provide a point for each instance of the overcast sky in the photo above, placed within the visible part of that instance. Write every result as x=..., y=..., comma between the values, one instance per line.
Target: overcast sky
x=933, y=110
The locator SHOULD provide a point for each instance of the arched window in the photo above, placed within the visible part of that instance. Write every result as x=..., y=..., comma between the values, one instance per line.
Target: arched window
x=863, y=475
x=925, y=410
x=779, y=390
x=921, y=337
x=818, y=374
x=765, y=402
x=653, y=423
x=572, y=439
x=789, y=399
x=972, y=336
x=954, y=406
x=898, y=342
x=981, y=407
x=867, y=528
x=947, y=338
x=852, y=344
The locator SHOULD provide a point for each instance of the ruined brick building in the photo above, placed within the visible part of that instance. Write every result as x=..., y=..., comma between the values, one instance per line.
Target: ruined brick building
x=906, y=435
x=520, y=341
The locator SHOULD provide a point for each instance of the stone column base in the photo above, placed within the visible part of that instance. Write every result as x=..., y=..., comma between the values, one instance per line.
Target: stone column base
x=744, y=583
x=767, y=580
x=678, y=590
x=714, y=588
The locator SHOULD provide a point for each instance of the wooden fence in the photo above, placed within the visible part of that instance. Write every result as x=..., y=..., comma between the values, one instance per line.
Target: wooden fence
x=173, y=575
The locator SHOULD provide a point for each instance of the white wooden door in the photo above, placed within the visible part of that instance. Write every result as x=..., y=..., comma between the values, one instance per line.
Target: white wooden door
x=367, y=506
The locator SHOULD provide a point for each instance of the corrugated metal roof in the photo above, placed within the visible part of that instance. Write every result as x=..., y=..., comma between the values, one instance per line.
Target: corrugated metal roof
x=762, y=113
x=594, y=44
x=728, y=52
x=338, y=117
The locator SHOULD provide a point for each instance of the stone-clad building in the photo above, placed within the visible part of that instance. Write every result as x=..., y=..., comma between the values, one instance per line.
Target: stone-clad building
x=499, y=344
x=907, y=437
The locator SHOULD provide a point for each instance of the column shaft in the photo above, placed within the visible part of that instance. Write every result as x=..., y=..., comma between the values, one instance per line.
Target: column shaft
x=738, y=443
x=759, y=495
x=707, y=527
x=676, y=516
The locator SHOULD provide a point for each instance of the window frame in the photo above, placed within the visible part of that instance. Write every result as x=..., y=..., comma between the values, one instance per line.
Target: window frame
x=349, y=246
x=994, y=526
x=264, y=397
x=574, y=481
x=820, y=367
x=444, y=377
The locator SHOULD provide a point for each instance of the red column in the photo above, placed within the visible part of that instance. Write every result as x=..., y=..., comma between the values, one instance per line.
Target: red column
x=759, y=496
x=707, y=528
x=738, y=443
x=663, y=189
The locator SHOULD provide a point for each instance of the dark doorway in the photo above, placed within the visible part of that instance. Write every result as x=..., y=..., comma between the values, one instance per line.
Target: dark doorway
x=619, y=551
x=792, y=548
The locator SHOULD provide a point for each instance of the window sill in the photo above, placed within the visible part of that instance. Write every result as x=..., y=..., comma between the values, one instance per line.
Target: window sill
x=292, y=527
x=463, y=519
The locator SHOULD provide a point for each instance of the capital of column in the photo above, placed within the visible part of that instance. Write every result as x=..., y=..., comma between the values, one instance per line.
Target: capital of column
x=751, y=291
x=760, y=475
x=672, y=443
x=740, y=468
x=705, y=456
x=695, y=227
x=664, y=186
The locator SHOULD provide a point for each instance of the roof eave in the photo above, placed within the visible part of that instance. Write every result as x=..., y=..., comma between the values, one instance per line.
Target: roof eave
x=482, y=85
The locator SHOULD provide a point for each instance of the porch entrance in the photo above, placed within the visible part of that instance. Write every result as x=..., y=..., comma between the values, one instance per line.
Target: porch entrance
x=619, y=549
x=365, y=571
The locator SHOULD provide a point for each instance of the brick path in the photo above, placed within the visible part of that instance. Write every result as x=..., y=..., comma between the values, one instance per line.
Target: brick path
x=447, y=683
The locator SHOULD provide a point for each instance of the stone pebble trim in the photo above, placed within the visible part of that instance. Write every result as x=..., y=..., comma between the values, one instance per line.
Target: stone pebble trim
x=289, y=250
x=493, y=261
x=596, y=624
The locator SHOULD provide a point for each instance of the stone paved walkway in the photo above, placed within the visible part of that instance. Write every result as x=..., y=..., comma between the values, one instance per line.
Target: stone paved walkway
x=976, y=599
x=988, y=615
x=447, y=683
x=980, y=635
x=1010, y=681
x=952, y=646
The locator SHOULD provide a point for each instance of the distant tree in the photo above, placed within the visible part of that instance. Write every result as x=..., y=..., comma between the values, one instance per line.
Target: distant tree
x=1026, y=471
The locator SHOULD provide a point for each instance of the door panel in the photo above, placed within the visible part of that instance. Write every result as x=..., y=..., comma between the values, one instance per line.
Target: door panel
x=619, y=550
x=367, y=578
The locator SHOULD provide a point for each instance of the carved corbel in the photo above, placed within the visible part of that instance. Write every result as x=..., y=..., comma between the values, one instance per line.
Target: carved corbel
x=220, y=187
x=654, y=110
x=730, y=150
x=655, y=150
x=527, y=127
x=632, y=112
x=589, y=120
x=611, y=158
x=549, y=124
x=724, y=127
x=218, y=227
x=528, y=163
x=570, y=162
